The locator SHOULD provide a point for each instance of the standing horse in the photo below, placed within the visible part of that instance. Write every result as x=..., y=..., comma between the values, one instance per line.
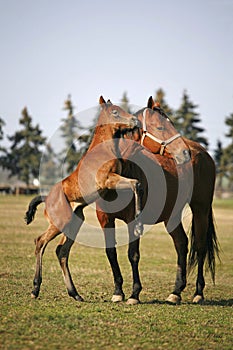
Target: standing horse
x=98, y=171
x=185, y=182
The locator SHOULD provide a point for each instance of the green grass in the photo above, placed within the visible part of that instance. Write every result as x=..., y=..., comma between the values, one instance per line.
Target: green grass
x=55, y=321
x=223, y=203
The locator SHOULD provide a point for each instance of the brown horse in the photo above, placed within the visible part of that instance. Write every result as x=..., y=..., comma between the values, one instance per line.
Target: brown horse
x=98, y=171
x=165, y=195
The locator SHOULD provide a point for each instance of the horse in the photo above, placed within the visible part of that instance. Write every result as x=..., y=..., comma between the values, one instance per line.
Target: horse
x=188, y=181
x=98, y=171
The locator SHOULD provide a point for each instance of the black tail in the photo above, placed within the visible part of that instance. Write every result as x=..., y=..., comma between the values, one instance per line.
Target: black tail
x=212, y=248
x=29, y=216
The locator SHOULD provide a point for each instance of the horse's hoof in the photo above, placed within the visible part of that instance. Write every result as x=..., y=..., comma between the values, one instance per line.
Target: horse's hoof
x=132, y=301
x=34, y=295
x=117, y=298
x=198, y=299
x=174, y=299
x=78, y=298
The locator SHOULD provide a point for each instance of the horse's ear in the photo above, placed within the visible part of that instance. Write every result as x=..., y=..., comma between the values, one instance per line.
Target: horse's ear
x=150, y=102
x=109, y=102
x=101, y=100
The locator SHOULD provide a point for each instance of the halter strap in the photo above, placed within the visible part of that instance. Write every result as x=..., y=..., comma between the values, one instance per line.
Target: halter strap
x=163, y=143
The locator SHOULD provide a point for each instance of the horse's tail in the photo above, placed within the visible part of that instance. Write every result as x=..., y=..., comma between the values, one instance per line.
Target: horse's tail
x=212, y=247
x=29, y=216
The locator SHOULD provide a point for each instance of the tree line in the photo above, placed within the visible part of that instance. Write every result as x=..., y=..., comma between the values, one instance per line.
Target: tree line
x=29, y=147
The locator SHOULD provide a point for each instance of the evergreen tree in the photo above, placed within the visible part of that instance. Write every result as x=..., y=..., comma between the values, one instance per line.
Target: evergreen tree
x=160, y=97
x=70, y=131
x=227, y=156
x=2, y=149
x=218, y=152
x=49, y=173
x=229, y=122
x=2, y=124
x=187, y=119
x=23, y=159
x=125, y=102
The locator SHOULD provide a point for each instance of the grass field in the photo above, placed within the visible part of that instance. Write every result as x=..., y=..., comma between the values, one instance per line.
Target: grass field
x=55, y=321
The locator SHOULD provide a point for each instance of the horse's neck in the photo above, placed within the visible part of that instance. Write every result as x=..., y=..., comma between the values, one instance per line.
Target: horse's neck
x=104, y=133
x=128, y=147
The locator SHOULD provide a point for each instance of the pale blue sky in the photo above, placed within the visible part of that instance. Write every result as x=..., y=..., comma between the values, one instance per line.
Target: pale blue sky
x=52, y=48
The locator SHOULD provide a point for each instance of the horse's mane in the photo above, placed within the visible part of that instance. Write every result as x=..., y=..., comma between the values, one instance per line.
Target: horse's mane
x=136, y=114
x=155, y=109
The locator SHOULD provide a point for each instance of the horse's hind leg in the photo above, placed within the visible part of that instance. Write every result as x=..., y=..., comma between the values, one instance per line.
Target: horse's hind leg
x=180, y=241
x=199, y=250
x=134, y=257
x=62, y=251
x=41, y=243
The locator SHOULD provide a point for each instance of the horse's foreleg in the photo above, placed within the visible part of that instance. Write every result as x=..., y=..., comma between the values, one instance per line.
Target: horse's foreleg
x=180, y=241
x=110, y=242
x=118, y=294
x=41, y=243
x=134, y=257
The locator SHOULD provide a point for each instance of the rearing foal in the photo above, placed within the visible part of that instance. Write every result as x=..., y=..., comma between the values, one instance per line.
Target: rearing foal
x=98, y=171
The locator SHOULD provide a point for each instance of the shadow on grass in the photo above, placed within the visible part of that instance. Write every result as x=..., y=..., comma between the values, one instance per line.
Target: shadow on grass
x=156, y=301
x=222, y=302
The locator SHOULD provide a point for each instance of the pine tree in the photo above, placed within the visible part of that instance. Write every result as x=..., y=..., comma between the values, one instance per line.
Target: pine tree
x=23, y=159
x=160, y=97
x=2, y=124
x=49, y=169
x=218, y=152
x=229, y=122
x=70, y=131
x=2, y=149
x=187, y=120
x=227, y=156
x=125, y=102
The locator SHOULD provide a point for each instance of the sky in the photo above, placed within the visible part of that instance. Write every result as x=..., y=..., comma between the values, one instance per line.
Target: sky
x=50, y=49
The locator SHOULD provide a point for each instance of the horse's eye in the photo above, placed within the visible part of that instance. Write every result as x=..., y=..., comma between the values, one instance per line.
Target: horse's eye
x=160, y=128
x=115, y=113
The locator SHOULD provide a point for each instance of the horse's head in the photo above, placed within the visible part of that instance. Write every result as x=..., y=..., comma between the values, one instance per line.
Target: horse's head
x=159, y=135
x=115, y=117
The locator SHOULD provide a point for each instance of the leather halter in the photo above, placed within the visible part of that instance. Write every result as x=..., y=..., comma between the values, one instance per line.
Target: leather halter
x=163, y=143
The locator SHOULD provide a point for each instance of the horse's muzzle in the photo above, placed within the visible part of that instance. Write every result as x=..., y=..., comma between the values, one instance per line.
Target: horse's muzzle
x=136, y=123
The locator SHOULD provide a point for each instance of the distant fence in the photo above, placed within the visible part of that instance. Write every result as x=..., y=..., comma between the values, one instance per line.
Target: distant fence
x=29, y=190
x=223, y=194
x=16, y=190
